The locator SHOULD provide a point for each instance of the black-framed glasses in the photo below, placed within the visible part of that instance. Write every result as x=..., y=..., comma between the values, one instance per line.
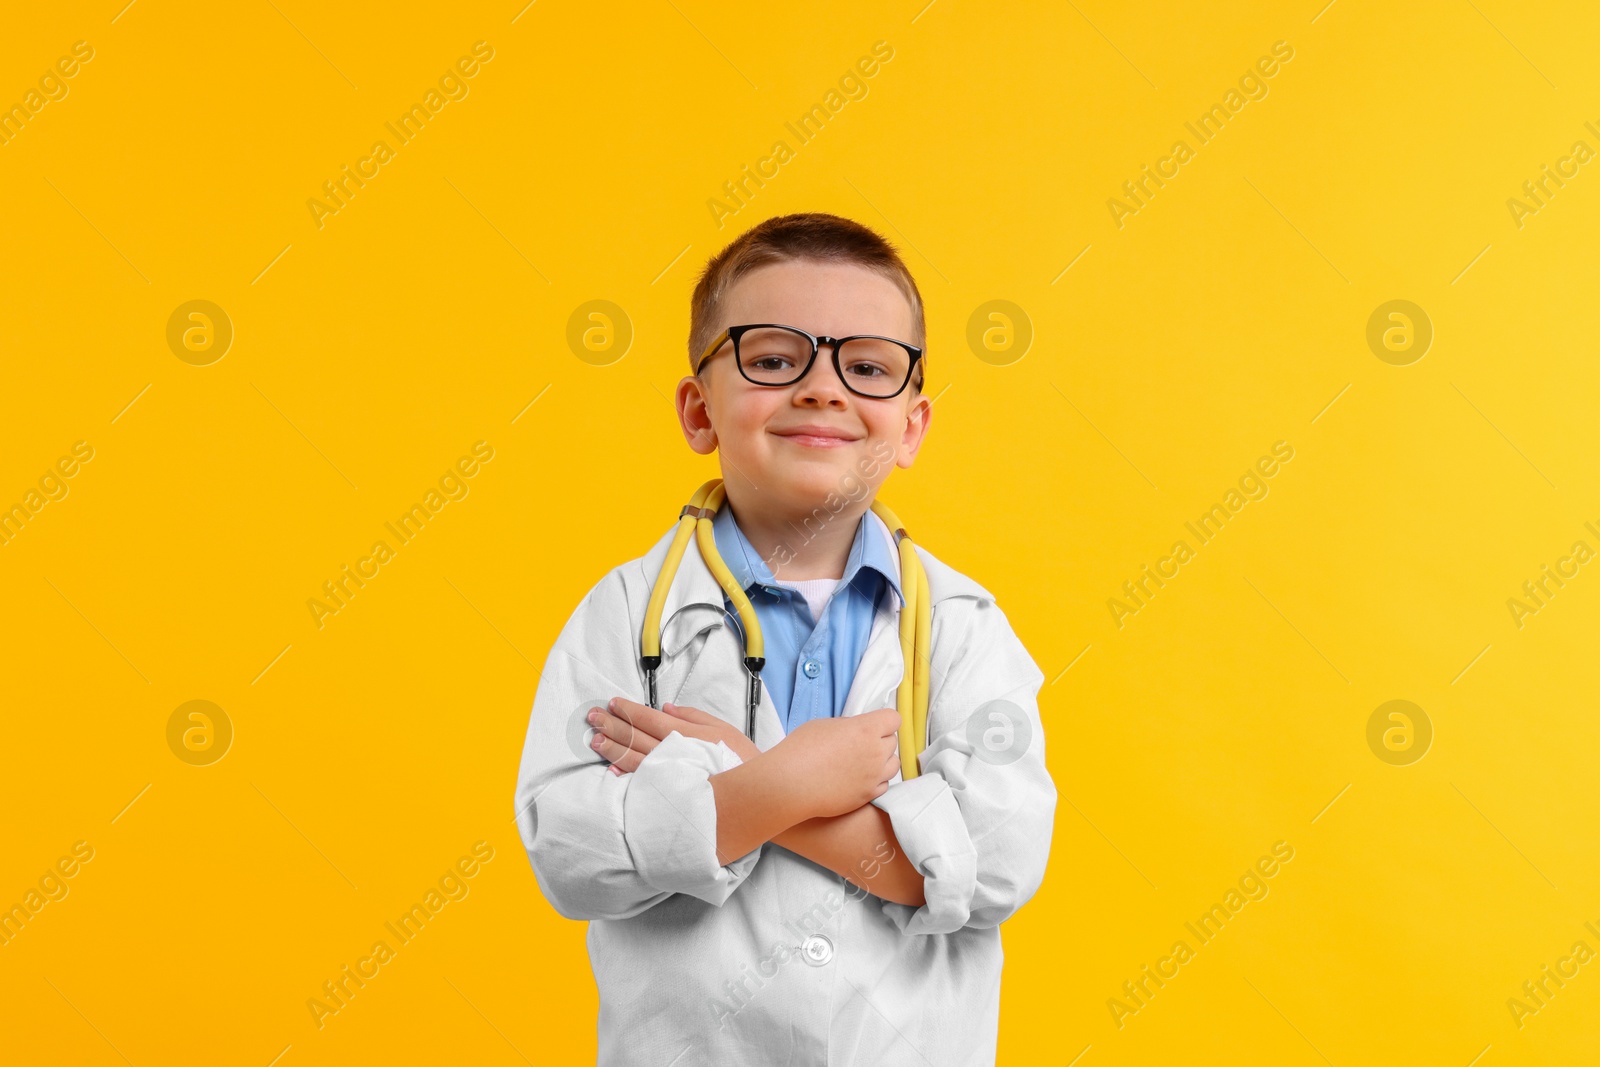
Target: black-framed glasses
x=768, y=353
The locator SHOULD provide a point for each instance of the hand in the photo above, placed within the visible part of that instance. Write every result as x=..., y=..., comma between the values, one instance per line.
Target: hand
x=841, y=764
x=629, y=731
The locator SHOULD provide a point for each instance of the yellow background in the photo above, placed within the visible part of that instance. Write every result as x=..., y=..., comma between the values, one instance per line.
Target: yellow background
x=369, y=354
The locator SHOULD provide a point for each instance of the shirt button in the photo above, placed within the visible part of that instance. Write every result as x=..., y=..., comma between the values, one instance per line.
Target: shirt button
x=812, y=668
x=817, y=950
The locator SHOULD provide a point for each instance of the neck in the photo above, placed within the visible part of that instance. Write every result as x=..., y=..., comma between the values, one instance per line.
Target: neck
x=794, y=547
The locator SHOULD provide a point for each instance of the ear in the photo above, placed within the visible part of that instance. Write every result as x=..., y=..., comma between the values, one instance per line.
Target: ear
x=694, y=415
x=919, y=415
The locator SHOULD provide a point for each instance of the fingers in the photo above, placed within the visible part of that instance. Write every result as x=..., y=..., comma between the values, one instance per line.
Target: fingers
x=694, y=715
x=619, y=732
x=626, y=726
x=643, y=717
x=888, y=721
x=628, y=762
x=617, y=754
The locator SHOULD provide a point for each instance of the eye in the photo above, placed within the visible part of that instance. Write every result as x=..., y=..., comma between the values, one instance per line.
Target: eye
x=867, y=370
x=875, y=363
x=771, y=354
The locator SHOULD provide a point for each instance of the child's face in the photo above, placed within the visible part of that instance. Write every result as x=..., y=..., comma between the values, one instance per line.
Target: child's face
x=753, y=427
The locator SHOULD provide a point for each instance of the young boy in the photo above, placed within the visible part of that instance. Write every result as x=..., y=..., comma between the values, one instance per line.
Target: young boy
x=792, y=899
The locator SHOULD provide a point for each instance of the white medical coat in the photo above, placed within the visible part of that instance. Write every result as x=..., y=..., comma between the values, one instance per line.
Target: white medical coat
x=774, y=959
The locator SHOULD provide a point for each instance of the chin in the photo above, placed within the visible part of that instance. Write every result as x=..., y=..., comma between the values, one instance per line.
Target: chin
x=813, y=482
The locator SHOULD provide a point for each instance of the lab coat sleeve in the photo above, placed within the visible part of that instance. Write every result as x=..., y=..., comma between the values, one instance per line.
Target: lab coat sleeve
x=607, y=846
x=977, y=821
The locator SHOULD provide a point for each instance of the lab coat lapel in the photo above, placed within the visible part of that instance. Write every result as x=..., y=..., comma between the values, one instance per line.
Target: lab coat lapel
x=717, y=683
x=877, y=681
x=882, y=664
x=882, y=667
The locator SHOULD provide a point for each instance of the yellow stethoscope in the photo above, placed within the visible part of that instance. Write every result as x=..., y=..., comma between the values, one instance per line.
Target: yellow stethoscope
x=916, y=618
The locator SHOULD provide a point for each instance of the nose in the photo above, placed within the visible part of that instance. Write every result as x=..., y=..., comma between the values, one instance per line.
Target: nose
x=822, y=384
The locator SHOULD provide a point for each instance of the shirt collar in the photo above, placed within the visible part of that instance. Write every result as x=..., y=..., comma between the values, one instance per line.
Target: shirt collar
x=869, y=551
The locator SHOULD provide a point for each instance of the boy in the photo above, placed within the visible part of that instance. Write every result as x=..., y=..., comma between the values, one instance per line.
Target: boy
x=791, y=899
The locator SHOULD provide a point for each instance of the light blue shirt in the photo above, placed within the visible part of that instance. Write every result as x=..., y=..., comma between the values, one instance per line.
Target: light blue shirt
x=809, y=665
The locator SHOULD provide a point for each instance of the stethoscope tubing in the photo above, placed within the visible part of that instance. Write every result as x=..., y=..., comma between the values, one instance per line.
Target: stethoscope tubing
x=915, y=623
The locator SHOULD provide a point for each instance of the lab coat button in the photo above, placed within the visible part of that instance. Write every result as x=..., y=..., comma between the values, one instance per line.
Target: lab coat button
x=812, y=668
x=817, y=950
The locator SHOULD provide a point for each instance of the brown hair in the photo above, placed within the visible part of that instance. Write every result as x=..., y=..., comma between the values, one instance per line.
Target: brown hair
x=812, y=235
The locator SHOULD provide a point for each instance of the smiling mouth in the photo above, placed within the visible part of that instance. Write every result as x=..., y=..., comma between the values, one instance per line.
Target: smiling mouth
x=815, y=440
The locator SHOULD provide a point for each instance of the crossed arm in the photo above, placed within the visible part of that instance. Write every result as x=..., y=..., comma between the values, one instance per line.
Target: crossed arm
x=810, y=793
